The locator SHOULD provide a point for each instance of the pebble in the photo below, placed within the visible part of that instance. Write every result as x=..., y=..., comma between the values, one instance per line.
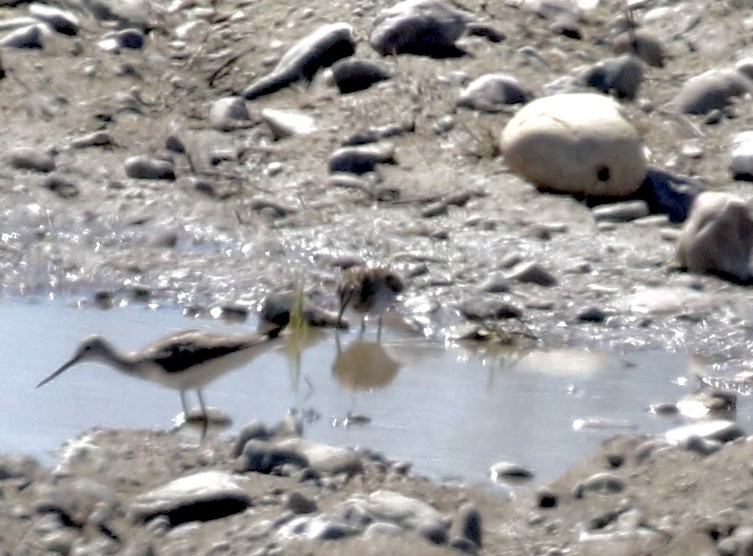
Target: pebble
x=468, y=524
x=620, y=212
x=59, y=20
x=505, y=471
x=721, y=430
x=94, y=139
x=428, y=27
x=477, y=29
x=199, y=497
x=30, y=36
x=383, y=529
x=143, y=167
x=264, y=457
x=546, y=498
x=712, y=90
x=741, y=158
x=299, y=503
x=361, y=159
x=434, y=209
x=669, y=193
x=484, y=307
x=717, y=237
x=495, y=283
x=377, y=133
x=491, y=91
x=31, y=158
x=643, y=45
x=125, y=38
x=229, y=113
x=409, y=513
x=543, y=141
x=532, y=273
x=604, y=483
x=592, y=314
x=304, y=59
x=351, y=75
x=622, y=76
x=287, y=123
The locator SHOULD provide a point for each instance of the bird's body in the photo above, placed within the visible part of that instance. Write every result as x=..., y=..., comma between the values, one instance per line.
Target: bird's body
x=183, y=361
x=369, y=291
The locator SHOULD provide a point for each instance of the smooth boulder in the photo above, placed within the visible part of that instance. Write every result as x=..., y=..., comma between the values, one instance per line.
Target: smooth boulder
x=576, y=143
x=427, y=27
x=717, y=237
x=712, y=90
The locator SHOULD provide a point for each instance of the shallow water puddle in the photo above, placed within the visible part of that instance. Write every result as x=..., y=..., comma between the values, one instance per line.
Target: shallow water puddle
x=450, y=411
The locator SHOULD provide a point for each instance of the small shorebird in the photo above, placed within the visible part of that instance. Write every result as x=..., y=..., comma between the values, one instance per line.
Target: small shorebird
x=370, y=291
x=183, y=361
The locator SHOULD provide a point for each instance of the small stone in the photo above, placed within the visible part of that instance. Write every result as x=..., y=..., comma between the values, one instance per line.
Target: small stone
x=495, y=283
x=532, y=273
x=63, y=187
x=287, y=123
x=31, y=158
x=26, y=37
x=467, y=524
x=492, y=91
x=361, y=159
x=505, y=471
x=712, y=90
x=620, y=212
x=592, y=314
x=605, y=483
x=720, y=430
x=352, y=75
x=435, y=209
x=59, y=20
x=482, y=308
x=299, y=503
x=143, y=167
x=229, y=113
x=546, y=499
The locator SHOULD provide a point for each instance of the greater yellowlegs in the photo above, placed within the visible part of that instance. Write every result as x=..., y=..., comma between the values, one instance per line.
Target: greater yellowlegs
x=370, y=291
x=183, y=361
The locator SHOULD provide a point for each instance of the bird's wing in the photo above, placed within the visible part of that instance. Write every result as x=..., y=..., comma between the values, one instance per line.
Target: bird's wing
x=186, y=349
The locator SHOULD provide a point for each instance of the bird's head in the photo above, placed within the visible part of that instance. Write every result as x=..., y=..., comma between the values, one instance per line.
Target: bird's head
x=94, y=348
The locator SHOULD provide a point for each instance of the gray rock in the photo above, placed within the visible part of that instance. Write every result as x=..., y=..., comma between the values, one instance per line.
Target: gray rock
x=143, y=167
x=60, y=185
x=30, y=36
x=532, y=273
x=94, y=139
x=484, y=307
x=622, y=76
x=356, y=513
x=59, y=20
x=383, y=529
x=467, y=524
x=322, y=48
x=741, y=158
x=550, y=9
x=669, y=193
x=201, y=497
x=745, y=67
x=287, y=123
x=264, y=457
x=605, y=483
x=409, y=513
x=31, y=158
x=361, y=159
x=352, y=74
x=324, y=458
x=124, y=38
x=434, y=209
x=713, y=90
x=319, y=528
x=255, y=430
x=643, y=45
x=427, y=27
x=721, y=430
x=505, y=470
x=477, y=29
x=229, y=113
x=377, y=133
x=592, y=314
x=299, y=503
x=126, y=13
x=492, y=91
x=620, y=212
x=495, y=283
x=433, y=531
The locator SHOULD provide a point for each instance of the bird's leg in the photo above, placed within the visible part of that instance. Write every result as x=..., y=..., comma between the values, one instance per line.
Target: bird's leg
x=379, y=329
x=183, y=404
x=363, y=324
x=203, y=406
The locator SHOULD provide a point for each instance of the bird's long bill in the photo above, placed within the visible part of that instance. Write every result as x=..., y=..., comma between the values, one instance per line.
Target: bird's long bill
x=58, y=372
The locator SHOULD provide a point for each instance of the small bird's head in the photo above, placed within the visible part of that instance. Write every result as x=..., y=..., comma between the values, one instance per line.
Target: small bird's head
x=94, y=348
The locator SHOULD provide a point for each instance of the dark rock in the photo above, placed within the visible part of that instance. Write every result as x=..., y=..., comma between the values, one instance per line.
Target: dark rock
x=263, y=457
x=546, y=498
x=483, y=308
x=622, y=76
x=425, y=27
x=377, y=133
x=63, y=187
x=59, y=20
x=433, y=531
x=669, y=193
x=492, y=91
x=467, y=524
x=505, y=470
x=322, y=48
x=200, y=497
x=229, y=113
x=142, y=167
x=713, y=90
x=25, y=37
x=255, y=430
x=352, y=74
x=486, y=31
x=31, y=158
x=532, y=273
x=592, y=314
x=299, y=503
x=361, y=159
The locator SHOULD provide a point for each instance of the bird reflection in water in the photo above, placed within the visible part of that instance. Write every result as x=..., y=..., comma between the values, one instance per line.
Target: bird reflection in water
x=362, y=366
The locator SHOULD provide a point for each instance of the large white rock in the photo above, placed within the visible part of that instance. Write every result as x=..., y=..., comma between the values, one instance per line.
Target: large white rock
x=718, y=236
x=576, y=143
